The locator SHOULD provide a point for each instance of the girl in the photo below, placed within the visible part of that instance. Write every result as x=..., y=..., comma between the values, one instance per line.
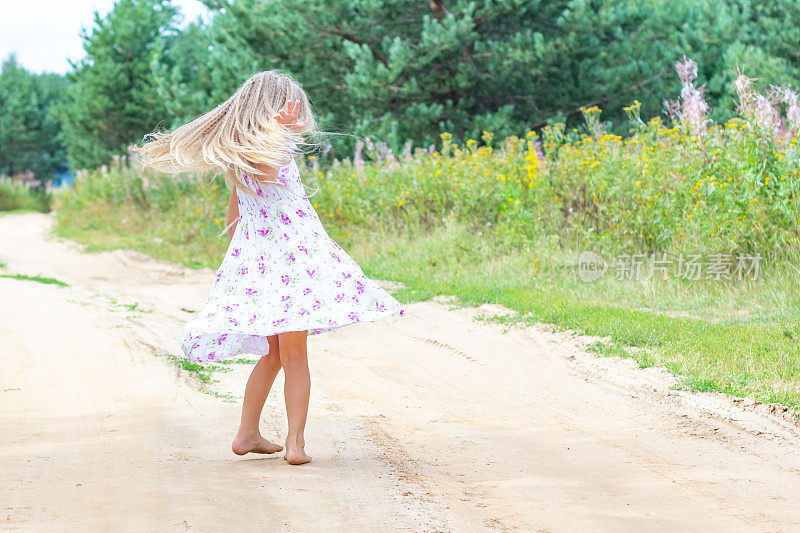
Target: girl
x=282, y=277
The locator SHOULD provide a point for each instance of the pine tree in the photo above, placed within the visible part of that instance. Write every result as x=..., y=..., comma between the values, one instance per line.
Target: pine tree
x=29, y=131
x=112, y=100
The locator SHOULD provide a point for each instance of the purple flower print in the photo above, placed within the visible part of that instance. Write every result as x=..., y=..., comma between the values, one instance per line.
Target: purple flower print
x=285, y=237
x=285, y=279
x=263, y=232
x=337, y=283
x=339, y=297
x=310, y=272
x=303, y=249
x=301, y=213
x=287, y=306
x=252, y=319
x=219, y=275
x=304, y=311
x=242, y=271
x=331, y=322
x=355, y=298
x=402, y=312
x=195, y=346
x=262, y=268
x=380, y=307
x=359, y=286
x=221, y=339
x=353, y=316
x=246, y=234
x=338, y=259
x=264, y=213
x=317, y=304
x=235, y=252
x=211, y=355
x=250, y=292
x=306, y=291
x=260, y=193
x=286, y=298
x=346, y=275
x=233, y=321
x=290, y=257
x=285, y=219
x=228, y=308
x=276, y=323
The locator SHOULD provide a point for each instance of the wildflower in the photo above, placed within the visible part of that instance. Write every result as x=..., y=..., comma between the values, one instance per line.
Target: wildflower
x=691, y=109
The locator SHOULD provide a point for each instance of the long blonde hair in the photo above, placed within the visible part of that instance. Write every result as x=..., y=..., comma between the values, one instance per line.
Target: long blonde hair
x=238, y=133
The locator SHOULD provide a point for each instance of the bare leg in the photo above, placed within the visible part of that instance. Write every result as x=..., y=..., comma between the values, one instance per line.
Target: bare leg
x=297, y=389
x=248, y=438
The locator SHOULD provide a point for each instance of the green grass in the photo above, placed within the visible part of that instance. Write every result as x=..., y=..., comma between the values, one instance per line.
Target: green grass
x=15, y=197
x=238, y=361
x=38, y=279
x=741, y=354
x=642, y=356
x=202, y=371
x=741, y=338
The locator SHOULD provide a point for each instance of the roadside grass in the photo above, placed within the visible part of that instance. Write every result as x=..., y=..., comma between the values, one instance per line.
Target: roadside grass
x=38, y=279
x=102, y=226
x=741, y=338
x=238, y=361
x=204, y=371
x=18, y=198
x=754, y=352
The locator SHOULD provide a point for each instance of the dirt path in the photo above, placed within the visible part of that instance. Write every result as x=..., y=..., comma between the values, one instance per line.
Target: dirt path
x=430, y=422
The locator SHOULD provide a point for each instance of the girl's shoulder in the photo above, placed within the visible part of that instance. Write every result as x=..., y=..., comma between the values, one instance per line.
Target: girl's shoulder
x=288, y=175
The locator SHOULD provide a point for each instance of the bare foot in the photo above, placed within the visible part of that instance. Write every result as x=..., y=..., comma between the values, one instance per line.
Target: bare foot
x=253, y=443
x=295, y=454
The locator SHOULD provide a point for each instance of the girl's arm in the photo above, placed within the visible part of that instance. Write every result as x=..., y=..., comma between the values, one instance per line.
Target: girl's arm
x=233, y=213
x=266, y=173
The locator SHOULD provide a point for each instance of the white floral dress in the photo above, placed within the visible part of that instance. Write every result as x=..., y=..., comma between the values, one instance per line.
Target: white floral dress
x=281, y=272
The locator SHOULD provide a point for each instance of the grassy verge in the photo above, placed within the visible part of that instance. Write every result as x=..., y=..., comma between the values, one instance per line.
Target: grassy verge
x=38, y=279
x=738, y=338
x=506, y=222
x=745, y=343
x=203, y=372
x=17, y=197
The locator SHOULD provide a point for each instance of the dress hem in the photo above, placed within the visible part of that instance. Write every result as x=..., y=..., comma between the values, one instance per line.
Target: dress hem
x=244, y=336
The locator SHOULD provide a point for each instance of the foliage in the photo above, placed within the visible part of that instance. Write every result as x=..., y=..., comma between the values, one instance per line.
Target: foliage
x=722, y=189
x=405, y=71
x=16, y=196
x=29, y=131
x=503, y=222
x=112, y=99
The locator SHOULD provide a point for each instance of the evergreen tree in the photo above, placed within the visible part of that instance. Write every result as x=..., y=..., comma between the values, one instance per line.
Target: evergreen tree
x=113, y=100
x=29, y=131
x=406, y=71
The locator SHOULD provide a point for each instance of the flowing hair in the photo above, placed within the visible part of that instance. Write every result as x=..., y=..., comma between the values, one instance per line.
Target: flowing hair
x=238, y=133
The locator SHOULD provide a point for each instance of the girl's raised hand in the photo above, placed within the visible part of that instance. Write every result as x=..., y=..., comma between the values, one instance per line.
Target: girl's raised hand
x=288, y=115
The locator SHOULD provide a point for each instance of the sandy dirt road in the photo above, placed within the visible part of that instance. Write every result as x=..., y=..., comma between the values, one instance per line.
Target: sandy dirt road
x=428, y=422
